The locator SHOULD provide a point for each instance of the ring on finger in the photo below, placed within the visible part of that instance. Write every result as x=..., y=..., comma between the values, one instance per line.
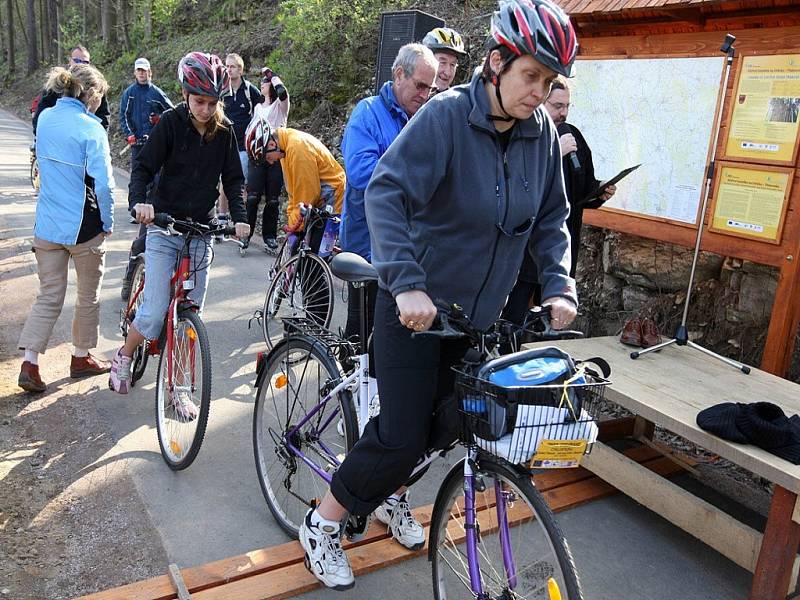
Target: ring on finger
x=411, y=324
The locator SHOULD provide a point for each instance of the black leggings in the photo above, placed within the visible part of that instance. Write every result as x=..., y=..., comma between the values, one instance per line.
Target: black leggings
x=412, y=374
x=264, y=180
x=353, y=326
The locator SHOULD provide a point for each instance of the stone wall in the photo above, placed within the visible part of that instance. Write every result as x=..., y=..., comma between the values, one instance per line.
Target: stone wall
x=621, y=275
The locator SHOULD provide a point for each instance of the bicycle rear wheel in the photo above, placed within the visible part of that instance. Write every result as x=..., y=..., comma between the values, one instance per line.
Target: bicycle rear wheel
x=302, y=287
x=141, y=354
x=537, y=556
x=187, y=394
x=298, y=375
x=35, y=181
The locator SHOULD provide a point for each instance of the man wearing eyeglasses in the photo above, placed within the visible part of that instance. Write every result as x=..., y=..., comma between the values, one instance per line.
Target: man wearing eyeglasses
x=79, y=55
x=375, y=123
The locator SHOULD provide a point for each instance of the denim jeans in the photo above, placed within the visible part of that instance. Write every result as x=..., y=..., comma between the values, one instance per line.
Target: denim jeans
x=245, y=160
x=160, y=259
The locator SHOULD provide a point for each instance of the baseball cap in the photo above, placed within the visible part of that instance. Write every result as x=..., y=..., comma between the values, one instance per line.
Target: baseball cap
x=142, y=63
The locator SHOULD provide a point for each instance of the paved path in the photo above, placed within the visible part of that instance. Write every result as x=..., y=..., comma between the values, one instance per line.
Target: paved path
x=215, y=508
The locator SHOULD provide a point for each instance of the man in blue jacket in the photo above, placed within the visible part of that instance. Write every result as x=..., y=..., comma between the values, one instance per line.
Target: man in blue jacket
x=141, y=107
x=375, y=122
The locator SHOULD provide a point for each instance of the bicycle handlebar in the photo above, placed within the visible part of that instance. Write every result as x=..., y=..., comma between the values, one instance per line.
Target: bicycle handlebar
x=166, y=221
x=452, y=323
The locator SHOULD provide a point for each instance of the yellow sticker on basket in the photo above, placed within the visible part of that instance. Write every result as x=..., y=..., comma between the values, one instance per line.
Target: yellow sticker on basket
x=558, y=454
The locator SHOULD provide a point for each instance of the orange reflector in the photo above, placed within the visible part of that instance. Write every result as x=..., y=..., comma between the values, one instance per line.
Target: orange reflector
x=552, y=589
x=176, y=450
x=192, y=334
x=281, y=381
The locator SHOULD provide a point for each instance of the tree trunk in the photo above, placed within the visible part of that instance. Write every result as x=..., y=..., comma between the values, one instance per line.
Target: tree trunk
x=54, y=12
x=10, y=30
x=85, y=10
x=124, y=12
x=147, y=16
x=105, y=21
x=44, y=31
x=21, y=22
x=33, y=37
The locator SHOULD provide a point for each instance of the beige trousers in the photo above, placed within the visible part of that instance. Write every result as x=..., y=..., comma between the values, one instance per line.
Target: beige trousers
x=53, y=263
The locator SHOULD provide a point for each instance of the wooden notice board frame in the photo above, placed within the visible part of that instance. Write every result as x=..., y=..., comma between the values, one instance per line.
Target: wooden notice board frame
x=721, y=166
x=763, y=159
x=785, y=256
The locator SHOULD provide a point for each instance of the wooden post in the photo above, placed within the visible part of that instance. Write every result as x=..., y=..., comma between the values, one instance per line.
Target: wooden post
x=785, y=317
x=778, y=549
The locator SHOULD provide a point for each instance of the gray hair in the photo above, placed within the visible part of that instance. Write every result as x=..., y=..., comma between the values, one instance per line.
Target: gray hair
x=409, y=54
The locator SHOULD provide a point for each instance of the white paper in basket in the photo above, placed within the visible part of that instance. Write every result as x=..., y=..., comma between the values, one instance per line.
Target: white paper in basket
x=537, y=423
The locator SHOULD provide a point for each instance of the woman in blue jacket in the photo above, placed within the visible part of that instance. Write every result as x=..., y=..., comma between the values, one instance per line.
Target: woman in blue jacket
x=74, y=214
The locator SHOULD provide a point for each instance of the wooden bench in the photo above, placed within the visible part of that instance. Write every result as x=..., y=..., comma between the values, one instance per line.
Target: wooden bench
x=669, y=389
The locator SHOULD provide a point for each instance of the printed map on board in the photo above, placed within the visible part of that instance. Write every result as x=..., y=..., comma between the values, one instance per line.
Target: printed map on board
x=657, y=112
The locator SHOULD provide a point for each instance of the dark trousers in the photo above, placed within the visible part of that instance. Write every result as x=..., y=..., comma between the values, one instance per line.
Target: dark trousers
x=412, y=374
x=264, y=180
x=353, y=326
x=519, y=300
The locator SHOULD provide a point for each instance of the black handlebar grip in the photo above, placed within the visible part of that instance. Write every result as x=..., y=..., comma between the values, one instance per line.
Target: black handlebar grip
x=163, y=220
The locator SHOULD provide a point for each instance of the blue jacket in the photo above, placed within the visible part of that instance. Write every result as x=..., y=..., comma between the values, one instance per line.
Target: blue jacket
x=374, y=124
x=138, y=101
x=71, y=144
x=452, y=214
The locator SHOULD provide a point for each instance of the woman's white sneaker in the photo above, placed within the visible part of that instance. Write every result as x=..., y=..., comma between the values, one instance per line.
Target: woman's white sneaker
x=396, y=513
x=325, y=558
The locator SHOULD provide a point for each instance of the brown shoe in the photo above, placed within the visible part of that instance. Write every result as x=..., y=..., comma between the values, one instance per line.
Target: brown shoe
x=632, y=332
x=651, y=336
x=29, y=379
x=88, y=366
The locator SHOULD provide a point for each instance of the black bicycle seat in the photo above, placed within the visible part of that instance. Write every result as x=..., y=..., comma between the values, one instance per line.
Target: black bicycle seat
x=351, y=267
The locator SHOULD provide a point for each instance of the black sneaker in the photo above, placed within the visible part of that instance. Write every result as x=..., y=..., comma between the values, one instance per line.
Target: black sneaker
x=271, y=246
x=125, y=292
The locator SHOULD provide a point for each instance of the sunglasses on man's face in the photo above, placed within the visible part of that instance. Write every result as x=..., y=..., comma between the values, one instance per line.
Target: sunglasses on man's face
x=80, y=61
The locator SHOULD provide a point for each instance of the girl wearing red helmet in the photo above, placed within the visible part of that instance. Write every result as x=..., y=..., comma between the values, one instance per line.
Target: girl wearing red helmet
x=191, y=149
x=452, y=222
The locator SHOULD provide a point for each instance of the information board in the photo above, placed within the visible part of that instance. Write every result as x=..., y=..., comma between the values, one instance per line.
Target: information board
x=766, y=110
x=655, y=111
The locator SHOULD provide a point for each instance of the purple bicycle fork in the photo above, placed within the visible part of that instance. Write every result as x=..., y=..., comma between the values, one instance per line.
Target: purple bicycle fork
x=471, y=526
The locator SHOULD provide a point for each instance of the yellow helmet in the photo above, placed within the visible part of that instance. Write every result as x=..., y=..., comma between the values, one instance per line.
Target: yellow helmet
x=444, y=39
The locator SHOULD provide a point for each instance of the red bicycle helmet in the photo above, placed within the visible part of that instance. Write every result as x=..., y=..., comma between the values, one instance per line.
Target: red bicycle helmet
x=256, y=138
x=538, y=28
x=203, y=74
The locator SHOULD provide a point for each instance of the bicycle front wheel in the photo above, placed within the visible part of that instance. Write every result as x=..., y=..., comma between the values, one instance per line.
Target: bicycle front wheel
x=298, y=376
x=183, y=391
x=303, y=287
x=520, y=550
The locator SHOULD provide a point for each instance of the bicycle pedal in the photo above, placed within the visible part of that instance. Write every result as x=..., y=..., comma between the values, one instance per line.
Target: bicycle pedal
x=356, y=527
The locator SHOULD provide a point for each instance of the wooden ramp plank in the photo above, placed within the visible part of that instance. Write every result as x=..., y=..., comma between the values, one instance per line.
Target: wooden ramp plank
x=270, y=561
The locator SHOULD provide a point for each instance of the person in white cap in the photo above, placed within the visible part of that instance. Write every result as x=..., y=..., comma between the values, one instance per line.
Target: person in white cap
x=141, y=107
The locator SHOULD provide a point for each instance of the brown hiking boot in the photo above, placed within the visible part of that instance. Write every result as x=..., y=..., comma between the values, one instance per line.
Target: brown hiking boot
x=29, y=379
x=650, y=333
x=88, y=366
x=632, y=332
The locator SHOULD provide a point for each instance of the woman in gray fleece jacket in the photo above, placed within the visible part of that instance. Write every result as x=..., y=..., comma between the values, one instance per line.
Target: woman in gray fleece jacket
x=472, y=182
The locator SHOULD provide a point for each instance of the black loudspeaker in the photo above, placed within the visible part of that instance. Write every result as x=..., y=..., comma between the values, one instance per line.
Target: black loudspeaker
x=399, y=28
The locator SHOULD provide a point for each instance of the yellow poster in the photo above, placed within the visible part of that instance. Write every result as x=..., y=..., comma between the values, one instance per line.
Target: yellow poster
x=766, y=106
x=750, y=202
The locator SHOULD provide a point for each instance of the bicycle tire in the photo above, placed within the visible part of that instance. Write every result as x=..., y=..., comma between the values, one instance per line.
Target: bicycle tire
x=35, y=181
x=534, y=533
x=305, y=366
x=141, y=354
x=287, y=295
x=180, y=438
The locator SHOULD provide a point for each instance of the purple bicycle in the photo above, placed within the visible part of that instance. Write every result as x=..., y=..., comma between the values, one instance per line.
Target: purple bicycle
x=492, y=534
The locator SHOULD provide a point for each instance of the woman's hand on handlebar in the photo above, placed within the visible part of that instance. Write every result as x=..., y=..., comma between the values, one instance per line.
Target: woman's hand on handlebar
x=144, y=213
x=242, y=231
x=416, y=310
x=562, y=311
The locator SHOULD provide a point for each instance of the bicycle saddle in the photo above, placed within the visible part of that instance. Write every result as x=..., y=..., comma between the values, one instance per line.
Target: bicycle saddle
x=351, y=267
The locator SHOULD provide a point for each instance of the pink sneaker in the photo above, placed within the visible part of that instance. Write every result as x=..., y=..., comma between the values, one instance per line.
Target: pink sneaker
x=120, y=378
x=185, y=409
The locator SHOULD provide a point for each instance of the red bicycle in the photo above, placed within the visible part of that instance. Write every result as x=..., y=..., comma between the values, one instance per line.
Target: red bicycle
x=184, y=367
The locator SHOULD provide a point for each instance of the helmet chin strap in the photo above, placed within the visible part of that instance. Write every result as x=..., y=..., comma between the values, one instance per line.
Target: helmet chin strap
x=496, y=83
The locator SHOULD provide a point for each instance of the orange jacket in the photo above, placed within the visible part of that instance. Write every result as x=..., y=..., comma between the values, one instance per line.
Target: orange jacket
x=307, y=165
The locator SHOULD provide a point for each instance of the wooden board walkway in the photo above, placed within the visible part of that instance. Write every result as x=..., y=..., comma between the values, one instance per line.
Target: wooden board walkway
x=278, y=572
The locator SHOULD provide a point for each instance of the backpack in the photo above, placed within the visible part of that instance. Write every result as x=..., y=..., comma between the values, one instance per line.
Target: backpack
x=35, y=103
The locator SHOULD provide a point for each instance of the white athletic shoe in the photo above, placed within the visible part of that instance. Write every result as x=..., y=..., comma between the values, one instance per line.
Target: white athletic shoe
x=396, y=514
x=325, y=558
